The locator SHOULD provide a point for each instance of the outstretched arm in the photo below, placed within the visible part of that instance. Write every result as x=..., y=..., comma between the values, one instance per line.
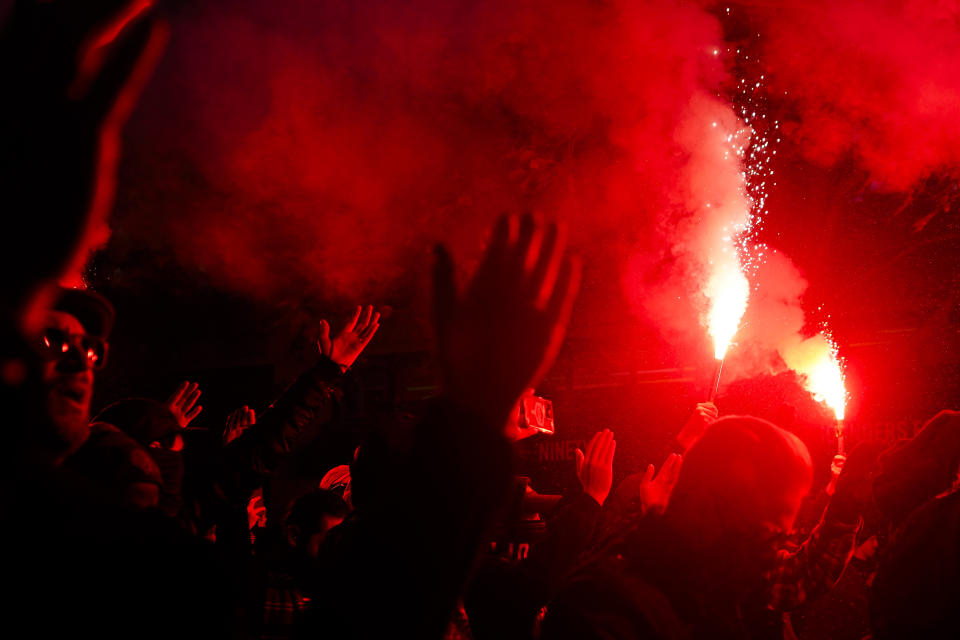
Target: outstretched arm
x=313, y=398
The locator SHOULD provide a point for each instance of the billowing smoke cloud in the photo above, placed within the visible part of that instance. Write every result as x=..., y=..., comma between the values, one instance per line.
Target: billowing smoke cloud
x=877, y=81
x=325, y=146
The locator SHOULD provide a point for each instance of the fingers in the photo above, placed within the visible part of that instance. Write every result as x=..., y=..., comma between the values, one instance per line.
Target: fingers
x=366, y=329
x=836, y=465
x=366, y=335
x=543, y=277
x=242, y=417
x=184, y=397
x=238, y=422
x=560, y=302
x=538, y=252
x=127, y=69
x=522, y=252
x=671, y=461
x=193, y=413
x=545, y=250
x=712, y=409
x=494, y=258
x=323, y=340
x=648, y=474
x=183, y=403
x=364, y=318
x=190, y=397
x=608, y=444
x=557, y=315
x=178, y=393
x=364, y=323
x=367, y=325
x=352, y=322
x=670, y=471
x=610, y=451
x=592, y=445
x=708, y=410
x=601, y=448
x=115, y=39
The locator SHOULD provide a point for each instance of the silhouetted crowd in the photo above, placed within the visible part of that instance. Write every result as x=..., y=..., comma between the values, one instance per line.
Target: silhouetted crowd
x=110, y=530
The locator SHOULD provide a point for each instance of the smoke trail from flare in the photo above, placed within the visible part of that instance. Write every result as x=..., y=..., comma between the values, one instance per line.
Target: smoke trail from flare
x=716, y=192
x=727, y=288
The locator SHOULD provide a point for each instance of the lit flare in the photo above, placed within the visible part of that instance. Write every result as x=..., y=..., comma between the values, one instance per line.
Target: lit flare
x=821, y=371
x=727, y=291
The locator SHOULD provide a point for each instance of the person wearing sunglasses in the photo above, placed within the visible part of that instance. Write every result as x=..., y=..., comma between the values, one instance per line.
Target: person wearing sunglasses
x=73, y=347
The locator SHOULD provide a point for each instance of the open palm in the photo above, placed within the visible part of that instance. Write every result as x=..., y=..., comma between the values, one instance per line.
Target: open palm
x=345, y=347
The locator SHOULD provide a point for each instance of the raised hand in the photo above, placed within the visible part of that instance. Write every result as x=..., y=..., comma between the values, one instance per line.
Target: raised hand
x=502, y=333
x=650, y=488
x=256, y=510
x=183, y=403
x=71, y=73
x=238, y=421
x=595, y=467
x=346, y=346
x=836, y=467
x=854, y=484
x=704, y=414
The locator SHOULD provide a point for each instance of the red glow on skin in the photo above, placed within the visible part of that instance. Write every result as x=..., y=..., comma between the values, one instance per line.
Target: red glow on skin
x=92, y=54
x=113, y=28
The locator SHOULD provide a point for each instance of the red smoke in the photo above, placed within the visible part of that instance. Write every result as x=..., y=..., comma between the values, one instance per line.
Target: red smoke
x=877, y=80
x=335, y=141
x=320, y=148
x=872, y=85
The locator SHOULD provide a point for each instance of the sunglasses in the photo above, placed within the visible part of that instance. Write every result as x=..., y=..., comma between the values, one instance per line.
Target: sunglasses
x=57, y=344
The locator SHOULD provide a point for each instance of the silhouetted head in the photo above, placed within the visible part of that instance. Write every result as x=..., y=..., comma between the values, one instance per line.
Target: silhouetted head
x=119, y=468
x=151, y=424
x=740, y=488
x=311, y=517
x=916, y=470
